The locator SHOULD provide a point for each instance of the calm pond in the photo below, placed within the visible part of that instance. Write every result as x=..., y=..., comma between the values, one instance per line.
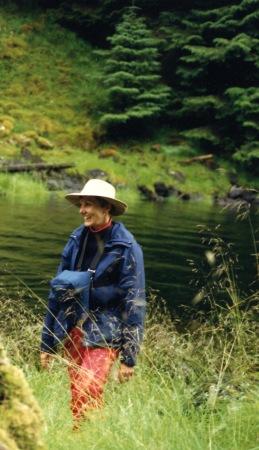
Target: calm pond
x=33, y=235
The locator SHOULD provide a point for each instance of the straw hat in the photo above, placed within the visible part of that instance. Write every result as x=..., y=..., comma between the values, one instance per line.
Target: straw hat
x=99, y=188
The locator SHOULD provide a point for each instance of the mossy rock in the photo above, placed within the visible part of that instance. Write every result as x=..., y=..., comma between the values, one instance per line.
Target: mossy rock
x=21, y=419
x=44, y=143
x=6, y=125
x=31, y=134
x=21, y=140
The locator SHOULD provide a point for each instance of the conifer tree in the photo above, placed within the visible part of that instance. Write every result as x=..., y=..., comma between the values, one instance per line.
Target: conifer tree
x=211, y=60
x=132, y=77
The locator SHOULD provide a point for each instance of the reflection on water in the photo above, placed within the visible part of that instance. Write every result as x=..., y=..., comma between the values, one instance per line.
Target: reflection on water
x=33, y=235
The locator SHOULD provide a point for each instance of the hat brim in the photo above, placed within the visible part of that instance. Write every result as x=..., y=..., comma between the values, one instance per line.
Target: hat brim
x=118, y=209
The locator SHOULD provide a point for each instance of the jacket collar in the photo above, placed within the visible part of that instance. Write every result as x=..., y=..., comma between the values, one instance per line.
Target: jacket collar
x=119, y=236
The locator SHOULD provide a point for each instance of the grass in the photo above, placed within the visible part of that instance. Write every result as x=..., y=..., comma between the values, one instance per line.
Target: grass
x=150, y=412
x=194, y=390
x=21, y=186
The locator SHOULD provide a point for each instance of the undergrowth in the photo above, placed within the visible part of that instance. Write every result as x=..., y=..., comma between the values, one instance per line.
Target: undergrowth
x=194, y=389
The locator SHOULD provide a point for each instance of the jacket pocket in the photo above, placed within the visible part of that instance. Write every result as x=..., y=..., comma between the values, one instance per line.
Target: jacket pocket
x=103, y=328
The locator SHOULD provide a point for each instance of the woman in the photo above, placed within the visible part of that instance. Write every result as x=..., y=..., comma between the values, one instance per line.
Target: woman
x=113, y=326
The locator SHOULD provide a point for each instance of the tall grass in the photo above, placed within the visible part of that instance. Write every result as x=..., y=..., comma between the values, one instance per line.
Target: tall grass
x=22, y=186
x=192, y=389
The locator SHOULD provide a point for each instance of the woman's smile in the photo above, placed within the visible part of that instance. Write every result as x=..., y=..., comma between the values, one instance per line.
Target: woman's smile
x=94, y=215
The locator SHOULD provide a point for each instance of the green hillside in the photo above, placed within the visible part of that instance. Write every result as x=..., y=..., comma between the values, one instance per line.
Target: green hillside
x=52, y=97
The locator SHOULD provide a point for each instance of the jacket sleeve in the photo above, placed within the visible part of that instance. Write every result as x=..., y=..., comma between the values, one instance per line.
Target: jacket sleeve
x=48, y=338
x=132, y=285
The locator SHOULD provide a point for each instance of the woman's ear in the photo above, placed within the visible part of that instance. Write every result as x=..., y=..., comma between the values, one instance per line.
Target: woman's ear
x=109, y=208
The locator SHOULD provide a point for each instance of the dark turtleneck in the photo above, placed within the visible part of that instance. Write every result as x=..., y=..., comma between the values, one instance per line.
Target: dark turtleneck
x=95, y=242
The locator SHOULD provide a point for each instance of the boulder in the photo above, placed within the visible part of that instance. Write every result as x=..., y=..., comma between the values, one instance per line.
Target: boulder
x=148, y=193
x=28, y=156
x=97, y=173
x=243, y=194
x=238, y=199
x=6, y=126
x=162, y=190
x=59, y=181
x=44, y=143
x=22, y=140
x=177, y=175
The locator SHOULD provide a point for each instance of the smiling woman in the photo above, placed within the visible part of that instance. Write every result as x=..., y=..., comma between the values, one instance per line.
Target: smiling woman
x=96, y=213
x=113, y=324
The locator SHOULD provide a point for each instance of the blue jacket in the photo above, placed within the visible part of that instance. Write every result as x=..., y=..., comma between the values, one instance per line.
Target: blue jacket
x=117, y=296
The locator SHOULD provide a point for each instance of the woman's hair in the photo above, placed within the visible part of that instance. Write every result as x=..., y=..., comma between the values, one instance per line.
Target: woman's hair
x=104, y=204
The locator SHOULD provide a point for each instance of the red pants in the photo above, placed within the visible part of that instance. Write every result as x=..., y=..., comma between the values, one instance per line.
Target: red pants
x=88, y=372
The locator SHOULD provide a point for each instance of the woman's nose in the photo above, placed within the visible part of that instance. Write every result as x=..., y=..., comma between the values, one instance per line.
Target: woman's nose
x=82, y=209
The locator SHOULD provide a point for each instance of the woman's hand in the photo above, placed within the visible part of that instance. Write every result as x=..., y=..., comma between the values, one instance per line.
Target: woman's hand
x=125, y=372
x=46, y=360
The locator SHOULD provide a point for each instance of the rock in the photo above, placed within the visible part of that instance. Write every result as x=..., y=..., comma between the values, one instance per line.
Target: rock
x=31, y=134
x=97, y=173
x=22, y=140
x=44, y=143
x=238, y=198
x=232, y=204
x=28, y=156
x=177, y=175
x=162, y=190
x=59, y=181
x=148, y=193
x=233, y=178
x=235, y=192
x=74, y=182
x=240, y=193
x=184, y=196
x=6, y=126
x=54, y=185
x=2, y=130
x=250, y=195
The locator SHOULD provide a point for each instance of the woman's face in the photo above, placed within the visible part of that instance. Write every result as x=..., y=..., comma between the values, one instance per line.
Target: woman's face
x=94, y=215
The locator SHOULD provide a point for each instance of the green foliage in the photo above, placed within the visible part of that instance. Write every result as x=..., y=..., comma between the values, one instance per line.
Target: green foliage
x=48, y=80
x=132, y=74
x=202, y=137
x=211, y=58
x=248, y=156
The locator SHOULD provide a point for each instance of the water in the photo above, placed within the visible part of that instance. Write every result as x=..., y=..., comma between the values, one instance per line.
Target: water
x=33, y=235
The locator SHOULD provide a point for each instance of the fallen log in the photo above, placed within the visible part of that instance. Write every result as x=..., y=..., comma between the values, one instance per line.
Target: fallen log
x=34, y=167
x=201, y=158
